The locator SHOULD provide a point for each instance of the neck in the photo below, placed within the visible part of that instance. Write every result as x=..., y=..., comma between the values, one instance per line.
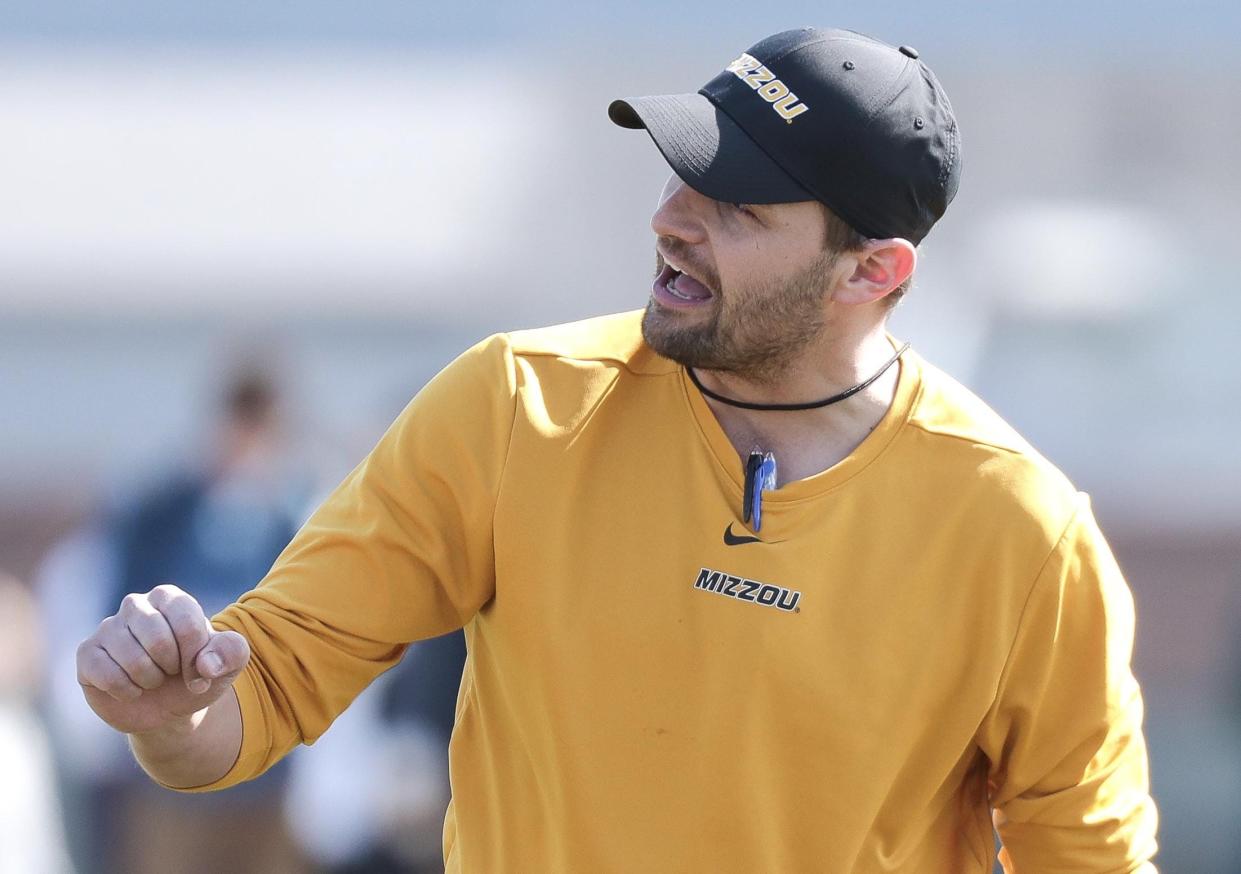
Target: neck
x=808, y=441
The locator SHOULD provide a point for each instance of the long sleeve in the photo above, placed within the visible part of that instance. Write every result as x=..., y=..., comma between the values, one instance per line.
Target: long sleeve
x=1069, y=778
x=402, y=550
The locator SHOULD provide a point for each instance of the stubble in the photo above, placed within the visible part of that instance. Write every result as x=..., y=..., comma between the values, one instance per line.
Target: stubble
x=755, y=332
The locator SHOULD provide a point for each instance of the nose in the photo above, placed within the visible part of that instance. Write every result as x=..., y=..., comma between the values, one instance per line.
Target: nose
x=679, y=213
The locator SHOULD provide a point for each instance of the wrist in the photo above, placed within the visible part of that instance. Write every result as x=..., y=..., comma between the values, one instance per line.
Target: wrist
x=192, y=751
x=166, y=741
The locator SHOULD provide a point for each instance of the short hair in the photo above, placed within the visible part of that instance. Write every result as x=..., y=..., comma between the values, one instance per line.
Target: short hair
x=842, y=237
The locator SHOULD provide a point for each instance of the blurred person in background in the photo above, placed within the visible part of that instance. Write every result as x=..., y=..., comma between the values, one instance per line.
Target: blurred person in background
x=31, y=834
x=223, y=519
x=74, y=581
x=420, y=704
x=370, y=798
x=212, y=528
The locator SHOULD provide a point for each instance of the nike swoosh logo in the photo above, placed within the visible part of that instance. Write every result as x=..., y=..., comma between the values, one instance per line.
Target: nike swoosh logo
x=731, y=539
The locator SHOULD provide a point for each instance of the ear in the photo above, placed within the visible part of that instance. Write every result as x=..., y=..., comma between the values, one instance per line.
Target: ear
x=879, y=267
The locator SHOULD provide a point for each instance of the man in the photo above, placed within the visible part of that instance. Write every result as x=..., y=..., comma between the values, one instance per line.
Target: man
x=746, y=585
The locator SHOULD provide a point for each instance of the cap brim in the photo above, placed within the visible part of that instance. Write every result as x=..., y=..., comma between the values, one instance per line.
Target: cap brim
x=707, y=149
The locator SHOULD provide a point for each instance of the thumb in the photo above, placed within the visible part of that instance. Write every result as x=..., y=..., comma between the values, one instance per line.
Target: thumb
x=223, y=658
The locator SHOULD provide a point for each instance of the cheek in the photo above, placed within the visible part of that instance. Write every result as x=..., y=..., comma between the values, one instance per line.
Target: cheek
x=742, y=270
x=738, y=262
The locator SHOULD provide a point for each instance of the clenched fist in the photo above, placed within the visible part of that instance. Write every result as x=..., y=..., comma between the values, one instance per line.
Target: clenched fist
x=157, y=662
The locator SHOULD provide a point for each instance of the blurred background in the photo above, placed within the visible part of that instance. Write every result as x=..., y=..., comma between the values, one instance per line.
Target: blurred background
x=236, y=237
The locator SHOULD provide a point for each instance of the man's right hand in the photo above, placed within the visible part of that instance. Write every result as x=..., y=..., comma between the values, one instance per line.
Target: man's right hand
x=157, y=662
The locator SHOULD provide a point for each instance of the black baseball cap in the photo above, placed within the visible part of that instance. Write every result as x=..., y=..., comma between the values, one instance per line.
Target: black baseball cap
x=815, y=114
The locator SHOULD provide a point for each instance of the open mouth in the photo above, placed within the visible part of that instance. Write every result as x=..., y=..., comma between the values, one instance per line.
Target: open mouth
x=677, y=288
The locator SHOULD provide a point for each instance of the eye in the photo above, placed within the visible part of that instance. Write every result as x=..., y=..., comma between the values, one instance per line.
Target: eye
x=743, y=208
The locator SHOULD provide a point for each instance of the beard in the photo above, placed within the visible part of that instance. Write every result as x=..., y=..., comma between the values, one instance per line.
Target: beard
x=754, y=332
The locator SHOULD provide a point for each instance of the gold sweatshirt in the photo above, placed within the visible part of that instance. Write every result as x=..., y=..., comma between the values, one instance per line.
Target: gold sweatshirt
x=929, y=633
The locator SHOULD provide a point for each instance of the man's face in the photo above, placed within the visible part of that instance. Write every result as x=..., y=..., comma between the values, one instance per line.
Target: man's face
x=737, y=288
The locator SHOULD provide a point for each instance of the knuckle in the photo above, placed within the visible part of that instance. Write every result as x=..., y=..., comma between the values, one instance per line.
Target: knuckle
x=140, y=623
x=182, y=607
x=141, y=671
x=108, y=683
x=99, y=671
x=165, y=593
x=121, y=687
x=134, y=606
x=88, y=666
x=125, y=661
x=189, y=628
x=163, y=649
x=150, y=629
x=112, y=630
x=92, y=661
x=148, y=677
x=108, y=631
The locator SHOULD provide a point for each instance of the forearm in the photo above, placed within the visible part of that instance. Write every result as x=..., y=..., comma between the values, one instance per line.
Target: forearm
x=193, y=751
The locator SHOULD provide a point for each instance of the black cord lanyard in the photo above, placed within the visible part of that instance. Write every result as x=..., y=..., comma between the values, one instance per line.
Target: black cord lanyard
x=811, y=405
